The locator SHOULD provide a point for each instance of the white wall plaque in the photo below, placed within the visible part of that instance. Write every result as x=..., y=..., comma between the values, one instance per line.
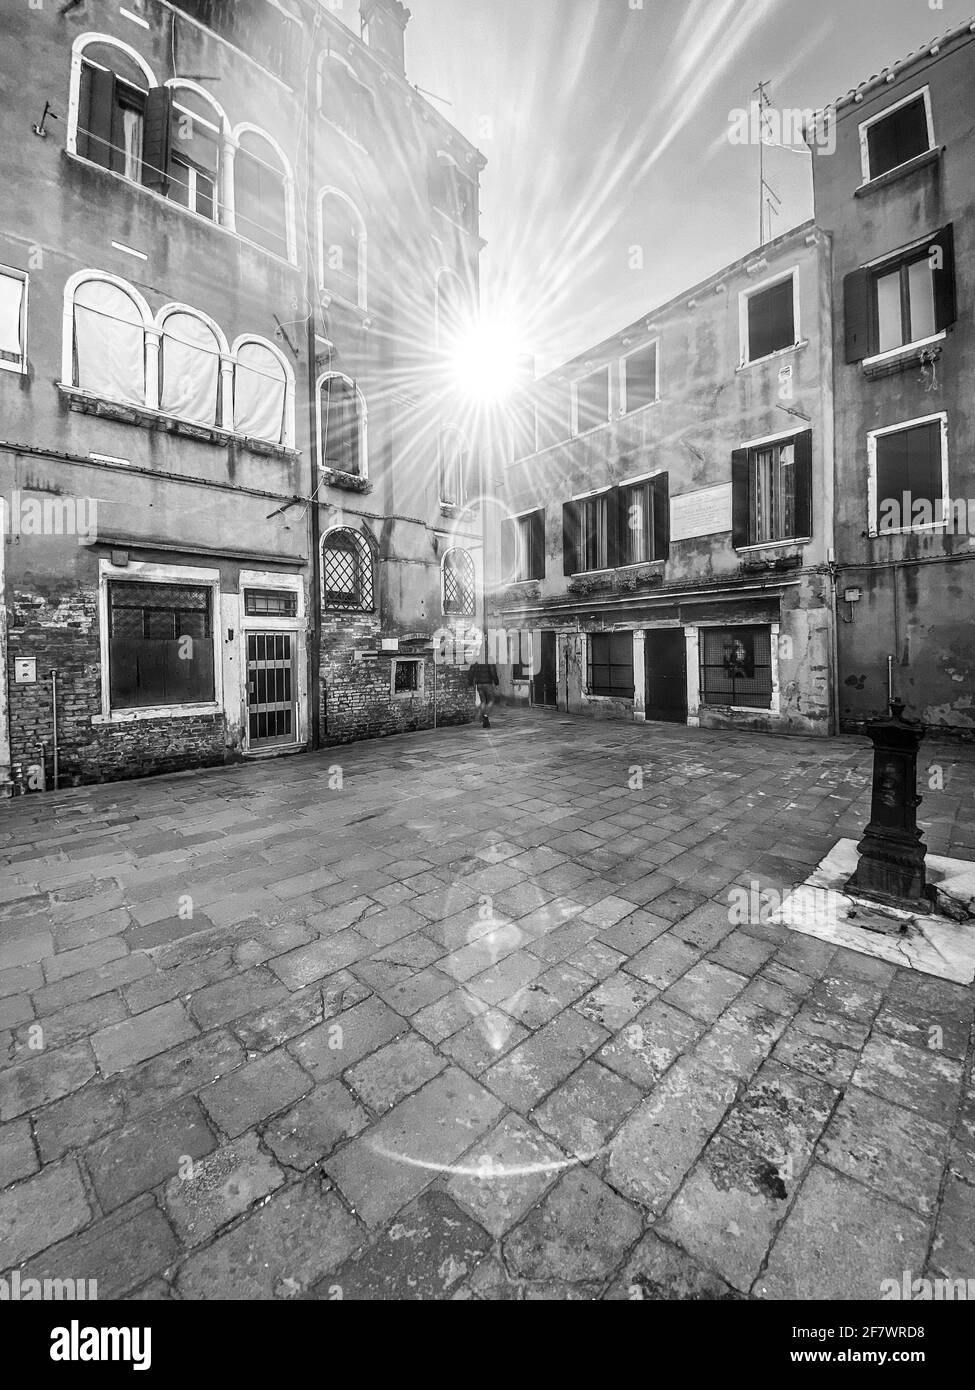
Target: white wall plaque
x=25, y=670
x=701, y=513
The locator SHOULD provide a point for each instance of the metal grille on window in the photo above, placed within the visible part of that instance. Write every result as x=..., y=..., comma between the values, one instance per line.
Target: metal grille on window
x=458, y=583
x=348, y=571
x=736, y=666
x=271, y=603
x=406, y=677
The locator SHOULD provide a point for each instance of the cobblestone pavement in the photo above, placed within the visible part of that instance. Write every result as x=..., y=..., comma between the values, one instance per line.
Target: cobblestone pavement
x=475, y=1024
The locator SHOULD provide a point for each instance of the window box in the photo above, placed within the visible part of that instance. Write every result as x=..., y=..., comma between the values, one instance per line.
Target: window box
x=351, y=482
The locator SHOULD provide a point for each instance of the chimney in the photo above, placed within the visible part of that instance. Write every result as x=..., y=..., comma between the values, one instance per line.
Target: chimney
x=383, y=28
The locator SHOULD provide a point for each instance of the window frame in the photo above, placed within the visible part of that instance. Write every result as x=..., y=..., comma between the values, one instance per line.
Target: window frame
x=82, y=42
x=150, y=573
x=644, y=347
x=464, y=469
x=362, y=413
x=469, y=608
x=744, y=298
x=288, y=188
x=531, y=567
x=13, y=273
x=419, y=690
x=288, y=426
x=873, y=497
x=866, y=126
x=610, y=693
x=901, y=261
x=574, y=401
x=362, y=240
x=362, y=547
x=326, y=58
x=703, y=701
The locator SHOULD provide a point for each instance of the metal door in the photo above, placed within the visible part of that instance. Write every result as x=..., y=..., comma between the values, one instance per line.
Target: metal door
x=545, y=679
x=666, y=659
x=271, y=689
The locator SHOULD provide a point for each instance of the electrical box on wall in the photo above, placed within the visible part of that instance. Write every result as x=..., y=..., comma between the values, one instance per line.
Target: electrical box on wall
x=25, y=670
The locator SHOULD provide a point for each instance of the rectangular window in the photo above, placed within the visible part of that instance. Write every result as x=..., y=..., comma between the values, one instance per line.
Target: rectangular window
x=406, y=677
x=591, y=400
x=771, y=491
x=191, y=188
x=160, y=645
x=594, y=533
x=908, y=469
x=896, y=136
x=271, y=603
x=637, y=503
x=13, y=320
x=736, y=666
x=904, y=303
x=770, y=320
x=520, y=654
x=640, y=378
x=610, y=665
x=531, y=546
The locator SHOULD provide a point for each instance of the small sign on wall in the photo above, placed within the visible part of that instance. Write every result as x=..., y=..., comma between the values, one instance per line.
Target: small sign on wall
x=25, y=670
x=701, y=513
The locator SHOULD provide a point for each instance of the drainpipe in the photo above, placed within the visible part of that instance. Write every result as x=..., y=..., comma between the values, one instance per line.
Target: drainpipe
x=54, y=709
x=312, y=299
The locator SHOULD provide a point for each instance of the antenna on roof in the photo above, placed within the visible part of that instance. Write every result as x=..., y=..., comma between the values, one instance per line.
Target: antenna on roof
x=767, y=196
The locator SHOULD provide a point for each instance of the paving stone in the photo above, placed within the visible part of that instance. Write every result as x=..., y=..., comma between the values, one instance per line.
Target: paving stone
x=547, y=995
x=922, y=1080
x=422, y=1256
x=828, y=1060
x=665, y=1273
x=781, y=1115
x=17, y=1157
x=166, y=930
x=632, y=933
x=447, y=1015
x=425, y=987
x=565, y=941
x=596, y=959
x=89, y=984
x=297, y=1013
x=936, y=1031
x=320, y=958
x=728, y=1210
x=279, y=1251
x=394, y=1071
x=41, y=1210
x=584, y=1112
x=147, y=1153
x=70, y=1025
x=186, y=1068
x=72, y=1123
x=327, y=1050
x=644, y=1049
x=254, y=1091
x=663, y=1137
x=489, y=1035
x=841, y=1241
x=241, y=995
x=124, y=1044
x=663, y=962
x=616, y=1001
x=422, y=1138
x=16, y=951
x=223, y=1185
x=310, y=1130
x=580, y=1230
x=705, y=990
x=953, y=1252
x=505, y=1173
x=118, y=1254
x=45, y=1077
x=537, y=1065
x=853, y=999
x=817, y=1022
x=741, y=952
x=963, y=1147
x=21, y=979
x=890, y=1149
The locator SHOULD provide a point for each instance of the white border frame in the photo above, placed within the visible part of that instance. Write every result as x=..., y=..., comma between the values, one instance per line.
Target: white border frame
x=872, y=496
x=144, y=572
x=748, y=293
x=258, y=622
x=150, y=347
x=695, y=701
x=402, y=660
x=574, y=400
x=362, y=246
x=622, y=410
x=865, y=126
x=13, y=273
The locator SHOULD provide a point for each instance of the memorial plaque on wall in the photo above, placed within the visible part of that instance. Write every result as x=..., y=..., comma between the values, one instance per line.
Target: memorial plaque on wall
x=701, y=513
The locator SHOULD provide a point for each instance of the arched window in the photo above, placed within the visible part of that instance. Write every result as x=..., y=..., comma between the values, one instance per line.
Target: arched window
x=347, y=570
x=196, y=149
x=190, y=350
x=342, y=425
x=455, y=475
x=343, y=99
x=110, y=84
x=458, y=584
x=262, y=193
x=105, y=338
x=453, y=192
x=452, y=309
x=263, y=392
x=343, y=247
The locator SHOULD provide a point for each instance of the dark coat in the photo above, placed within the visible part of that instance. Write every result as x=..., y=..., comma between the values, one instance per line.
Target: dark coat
x=482, y=673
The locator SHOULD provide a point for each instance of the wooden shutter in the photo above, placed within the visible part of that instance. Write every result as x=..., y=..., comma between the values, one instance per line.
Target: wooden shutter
x=856, y=311
x=802, y=472
x=96, y=144
x=570, y=537
x=660, y=493
x=739, y=498
x=613, y=522
x=537, y=545
x=156, y=137
x=945, y=308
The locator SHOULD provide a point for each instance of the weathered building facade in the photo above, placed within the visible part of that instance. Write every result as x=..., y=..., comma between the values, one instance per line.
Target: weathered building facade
x=238, y=498
x=668, y=552
x=898, y=201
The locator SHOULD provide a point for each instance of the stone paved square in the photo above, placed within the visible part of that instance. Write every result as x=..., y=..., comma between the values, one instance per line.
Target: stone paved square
x=483, y=1025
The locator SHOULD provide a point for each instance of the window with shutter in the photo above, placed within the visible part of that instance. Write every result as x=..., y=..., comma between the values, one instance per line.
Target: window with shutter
x=570, y=537
x=770, y=485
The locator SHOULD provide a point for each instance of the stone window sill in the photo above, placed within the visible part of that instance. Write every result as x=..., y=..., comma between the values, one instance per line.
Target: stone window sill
x=892, y=175
x=88, y=404
x=132, y=716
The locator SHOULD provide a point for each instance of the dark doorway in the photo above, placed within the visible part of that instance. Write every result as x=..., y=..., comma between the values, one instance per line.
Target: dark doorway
x=545, y=689
x=666, y=658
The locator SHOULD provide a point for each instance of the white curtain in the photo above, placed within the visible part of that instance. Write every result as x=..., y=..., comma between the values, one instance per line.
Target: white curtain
x=11, y=301
x=259, y=394
x=190, y=369
x=110, y=343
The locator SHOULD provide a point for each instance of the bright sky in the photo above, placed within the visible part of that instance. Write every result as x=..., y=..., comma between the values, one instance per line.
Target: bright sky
x=606, y=126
